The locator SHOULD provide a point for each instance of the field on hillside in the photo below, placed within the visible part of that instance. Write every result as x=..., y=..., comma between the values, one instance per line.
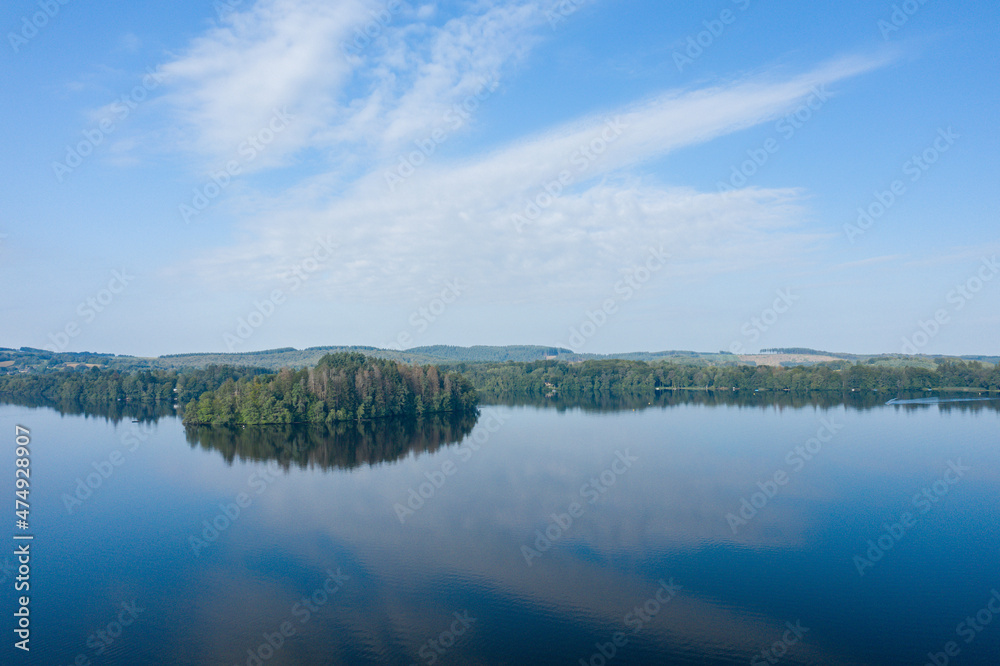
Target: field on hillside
x=777, y=360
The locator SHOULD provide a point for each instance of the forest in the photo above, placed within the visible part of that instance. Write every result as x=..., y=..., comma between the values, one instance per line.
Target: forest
x=351, y=386
x=98, y=386
x=621, y=377
x=341, y=387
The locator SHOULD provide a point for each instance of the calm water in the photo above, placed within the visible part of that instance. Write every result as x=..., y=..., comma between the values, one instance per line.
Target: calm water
x=332, y=560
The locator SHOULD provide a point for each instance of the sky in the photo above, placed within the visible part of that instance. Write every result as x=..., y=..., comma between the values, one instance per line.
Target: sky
x=603, y=176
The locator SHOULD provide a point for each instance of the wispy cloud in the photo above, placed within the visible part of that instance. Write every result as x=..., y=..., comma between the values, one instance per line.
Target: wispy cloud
x=419, y=71
x=870, y=261
x=278, y=53
x=357, y=108
x=457, y=218
x=348, y=101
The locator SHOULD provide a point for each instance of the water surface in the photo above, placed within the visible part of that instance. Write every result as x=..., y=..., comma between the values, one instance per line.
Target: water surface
x=425, y=542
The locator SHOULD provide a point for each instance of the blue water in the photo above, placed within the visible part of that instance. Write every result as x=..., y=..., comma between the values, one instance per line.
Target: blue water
x=645, y=561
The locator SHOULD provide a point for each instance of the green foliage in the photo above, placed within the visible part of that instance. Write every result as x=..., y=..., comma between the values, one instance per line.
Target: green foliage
x=341, y=387
x=590, y=379
x=92, y=389
x=352, y=385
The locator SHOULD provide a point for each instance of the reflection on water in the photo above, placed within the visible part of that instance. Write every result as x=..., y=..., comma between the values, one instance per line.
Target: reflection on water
x=115, y=412
x=345, y=445
x=335, y=446
x=601, y=402
x=649, y=550
x=855, y=400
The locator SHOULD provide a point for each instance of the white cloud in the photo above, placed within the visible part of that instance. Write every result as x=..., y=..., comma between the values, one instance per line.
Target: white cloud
x=455, y=219
x=279, y=53
x=313, y=58
x=359, y=104
x=416, y=72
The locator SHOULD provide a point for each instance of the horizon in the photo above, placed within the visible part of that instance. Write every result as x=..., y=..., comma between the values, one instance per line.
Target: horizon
x=278, y=173
x=798, y=350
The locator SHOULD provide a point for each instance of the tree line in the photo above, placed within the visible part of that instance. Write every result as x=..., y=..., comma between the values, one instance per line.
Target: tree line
x=621, y=377
x=91, y=387
x=351, y=386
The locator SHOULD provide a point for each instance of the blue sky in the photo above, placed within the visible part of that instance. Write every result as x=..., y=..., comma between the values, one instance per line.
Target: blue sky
x=191, y=176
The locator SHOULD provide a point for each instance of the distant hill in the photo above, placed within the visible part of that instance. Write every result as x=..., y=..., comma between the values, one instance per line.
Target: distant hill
x=28, y=359
x=437, y=354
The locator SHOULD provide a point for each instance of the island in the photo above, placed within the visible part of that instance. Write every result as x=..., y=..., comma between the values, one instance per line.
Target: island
x=341, y=387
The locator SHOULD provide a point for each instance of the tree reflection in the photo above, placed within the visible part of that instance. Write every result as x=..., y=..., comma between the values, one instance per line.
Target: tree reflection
x=336, y=446
x=117, y=411
x=858, y=400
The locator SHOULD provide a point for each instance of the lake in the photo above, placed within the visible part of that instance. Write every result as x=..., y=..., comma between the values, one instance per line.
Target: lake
x=694, y=530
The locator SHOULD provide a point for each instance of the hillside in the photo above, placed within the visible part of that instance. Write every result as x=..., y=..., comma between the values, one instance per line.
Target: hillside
x=27, y=359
